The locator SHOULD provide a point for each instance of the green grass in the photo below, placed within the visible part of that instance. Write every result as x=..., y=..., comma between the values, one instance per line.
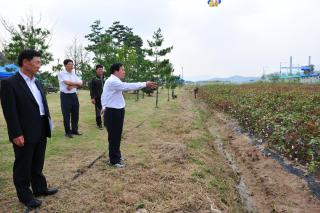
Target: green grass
x=196, y=160
x=219, y=183
x=198, y=175
x=92, y=139
x=154, y=124
x=6, y=166
x=195, y=143
x=2, y=182
x=58, y=145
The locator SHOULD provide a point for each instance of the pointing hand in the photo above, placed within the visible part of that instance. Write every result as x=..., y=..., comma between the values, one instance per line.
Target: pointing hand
x=151, y=84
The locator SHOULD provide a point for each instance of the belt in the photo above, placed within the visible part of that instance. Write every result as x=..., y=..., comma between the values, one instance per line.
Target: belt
x=68, y=93
x=109, y=108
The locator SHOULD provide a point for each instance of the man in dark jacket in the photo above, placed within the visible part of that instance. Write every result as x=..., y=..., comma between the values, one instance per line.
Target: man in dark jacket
x=96, y=87
x=26, y=112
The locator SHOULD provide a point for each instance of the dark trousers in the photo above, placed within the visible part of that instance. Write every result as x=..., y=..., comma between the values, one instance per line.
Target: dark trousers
x=70, y=106
x=98, y=108
x=28, y=166
x=113, y=121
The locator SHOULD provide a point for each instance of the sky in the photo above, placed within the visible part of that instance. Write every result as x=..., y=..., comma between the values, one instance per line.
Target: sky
x=243, y=38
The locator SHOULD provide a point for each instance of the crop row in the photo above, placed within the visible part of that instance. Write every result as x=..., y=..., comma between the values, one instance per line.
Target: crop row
x=285, y=116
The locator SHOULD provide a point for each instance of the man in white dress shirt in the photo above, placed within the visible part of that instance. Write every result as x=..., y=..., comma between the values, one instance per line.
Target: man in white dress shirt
x=68, y=83
x=113, y=105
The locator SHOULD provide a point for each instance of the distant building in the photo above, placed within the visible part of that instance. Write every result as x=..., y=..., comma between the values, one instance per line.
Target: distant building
x=303, y=74
x=301, y=78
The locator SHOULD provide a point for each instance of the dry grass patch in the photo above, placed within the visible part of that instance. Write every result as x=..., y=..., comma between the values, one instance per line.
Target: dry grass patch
x=171, y=152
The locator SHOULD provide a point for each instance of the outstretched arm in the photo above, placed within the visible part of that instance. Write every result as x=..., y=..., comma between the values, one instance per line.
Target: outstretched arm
x=123, y=86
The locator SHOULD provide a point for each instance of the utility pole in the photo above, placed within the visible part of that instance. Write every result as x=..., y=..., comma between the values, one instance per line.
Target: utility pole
x=282, y=67
x=309, y=60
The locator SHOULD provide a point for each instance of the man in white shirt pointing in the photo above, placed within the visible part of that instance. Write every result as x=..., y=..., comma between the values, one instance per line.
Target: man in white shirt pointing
x=113, y=105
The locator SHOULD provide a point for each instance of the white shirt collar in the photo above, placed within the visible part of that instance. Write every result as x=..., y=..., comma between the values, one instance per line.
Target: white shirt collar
x=26, y=78
x=65, y=71
x=113, y=76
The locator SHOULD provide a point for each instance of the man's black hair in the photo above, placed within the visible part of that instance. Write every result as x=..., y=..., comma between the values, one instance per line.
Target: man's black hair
x=28, y=55
x=66, y=61
x=115, y=67
x=98, y=66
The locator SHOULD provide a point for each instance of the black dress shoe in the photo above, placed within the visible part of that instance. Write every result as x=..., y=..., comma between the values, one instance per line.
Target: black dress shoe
x=49, y=191
x=68, y=135
x=34, y=203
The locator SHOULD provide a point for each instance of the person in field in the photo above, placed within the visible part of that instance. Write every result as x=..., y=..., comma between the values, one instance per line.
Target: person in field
x=68, y=84
x=27, y=115
x=113, y=109
x=96, y=87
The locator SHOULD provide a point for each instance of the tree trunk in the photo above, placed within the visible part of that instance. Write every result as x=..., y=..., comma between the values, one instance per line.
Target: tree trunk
x=157, y=97
x=137, y=95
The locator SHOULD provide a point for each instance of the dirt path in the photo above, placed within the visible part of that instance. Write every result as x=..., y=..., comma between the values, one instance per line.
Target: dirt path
x=174, y=164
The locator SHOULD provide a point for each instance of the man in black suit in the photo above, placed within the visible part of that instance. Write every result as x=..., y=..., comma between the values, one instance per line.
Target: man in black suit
x=96, y=87
x=26, y=112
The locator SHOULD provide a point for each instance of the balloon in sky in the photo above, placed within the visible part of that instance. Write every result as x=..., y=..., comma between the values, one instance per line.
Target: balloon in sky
x=214, y=3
